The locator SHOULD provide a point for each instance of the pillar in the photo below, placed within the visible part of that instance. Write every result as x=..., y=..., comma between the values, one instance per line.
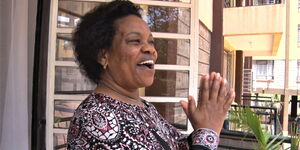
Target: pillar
x=239, y=76
x=217, y=39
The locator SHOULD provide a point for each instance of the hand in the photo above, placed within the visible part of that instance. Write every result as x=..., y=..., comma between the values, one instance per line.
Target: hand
x=213, y=103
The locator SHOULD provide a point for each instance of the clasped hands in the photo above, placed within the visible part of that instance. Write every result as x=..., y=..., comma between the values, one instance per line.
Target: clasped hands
x=213, y=103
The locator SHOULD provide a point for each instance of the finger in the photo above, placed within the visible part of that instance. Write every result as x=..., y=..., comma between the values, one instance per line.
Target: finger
x=214, y=91
x=211, y=78
x=222, y=92
x=204, y=91
x=229, y=99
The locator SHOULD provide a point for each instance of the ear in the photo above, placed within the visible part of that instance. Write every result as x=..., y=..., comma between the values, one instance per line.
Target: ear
x=102, y=58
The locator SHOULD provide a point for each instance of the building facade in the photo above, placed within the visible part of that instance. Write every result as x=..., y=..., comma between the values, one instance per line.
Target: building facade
x=266, y=33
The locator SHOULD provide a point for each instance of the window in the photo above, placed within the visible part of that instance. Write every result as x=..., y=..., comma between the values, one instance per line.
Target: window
x=264, y=69
x=174, y=33
x=298, y=34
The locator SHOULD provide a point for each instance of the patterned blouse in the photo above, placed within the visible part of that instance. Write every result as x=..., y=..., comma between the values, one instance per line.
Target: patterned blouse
x=103, y=123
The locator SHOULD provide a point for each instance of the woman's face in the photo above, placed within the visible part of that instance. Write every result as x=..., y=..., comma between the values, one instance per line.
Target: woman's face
x=132, y=55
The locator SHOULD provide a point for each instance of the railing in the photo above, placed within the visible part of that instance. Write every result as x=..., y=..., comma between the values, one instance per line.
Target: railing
x=268, y=116
x=243, y=3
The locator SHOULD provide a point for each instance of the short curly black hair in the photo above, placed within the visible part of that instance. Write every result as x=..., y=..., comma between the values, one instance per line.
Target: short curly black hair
x=96, y=31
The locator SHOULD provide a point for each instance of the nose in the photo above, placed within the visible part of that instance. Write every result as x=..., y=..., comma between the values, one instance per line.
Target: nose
x=149, y=48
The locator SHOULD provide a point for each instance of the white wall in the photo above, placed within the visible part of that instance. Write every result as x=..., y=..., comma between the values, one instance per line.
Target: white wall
x=206, y=12
x=278, y=82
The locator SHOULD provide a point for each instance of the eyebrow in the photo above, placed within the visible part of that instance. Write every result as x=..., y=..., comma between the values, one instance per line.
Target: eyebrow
x=136, y=33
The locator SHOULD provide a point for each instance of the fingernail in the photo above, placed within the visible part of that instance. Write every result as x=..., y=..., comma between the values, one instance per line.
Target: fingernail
x=225, y=81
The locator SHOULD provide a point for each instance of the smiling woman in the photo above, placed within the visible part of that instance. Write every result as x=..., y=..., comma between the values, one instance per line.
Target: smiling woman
x=131, y=57
x=115, y=48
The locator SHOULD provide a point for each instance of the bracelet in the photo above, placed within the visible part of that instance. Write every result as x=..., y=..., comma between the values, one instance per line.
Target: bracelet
x=205, y=137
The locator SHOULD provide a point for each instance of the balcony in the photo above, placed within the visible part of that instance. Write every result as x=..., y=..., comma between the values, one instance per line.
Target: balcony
x=257, y=30
x=242, y=3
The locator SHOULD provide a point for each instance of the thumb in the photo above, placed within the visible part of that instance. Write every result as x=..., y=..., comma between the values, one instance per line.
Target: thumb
x=184, y=106
x=192, y=104
x=188, y=107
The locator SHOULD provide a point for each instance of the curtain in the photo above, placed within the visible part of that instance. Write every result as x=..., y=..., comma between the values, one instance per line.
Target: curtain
x=17, y=31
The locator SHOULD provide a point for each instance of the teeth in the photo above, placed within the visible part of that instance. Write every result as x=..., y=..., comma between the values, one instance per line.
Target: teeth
x=147, y=62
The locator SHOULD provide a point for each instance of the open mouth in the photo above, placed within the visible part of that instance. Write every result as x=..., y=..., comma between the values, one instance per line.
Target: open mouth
x=147, y=63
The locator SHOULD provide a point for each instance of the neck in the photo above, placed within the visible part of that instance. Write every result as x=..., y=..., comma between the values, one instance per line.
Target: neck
x=114, y=90
x=121, y=91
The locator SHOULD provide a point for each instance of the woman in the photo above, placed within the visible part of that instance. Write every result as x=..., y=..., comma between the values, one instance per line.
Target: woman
x=115, y=48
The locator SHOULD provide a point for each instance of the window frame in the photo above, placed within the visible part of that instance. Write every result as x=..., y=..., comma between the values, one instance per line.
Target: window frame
x=192, y=68
x=268, y=67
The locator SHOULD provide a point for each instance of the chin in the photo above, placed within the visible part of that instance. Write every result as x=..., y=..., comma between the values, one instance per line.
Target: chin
x=148, y=83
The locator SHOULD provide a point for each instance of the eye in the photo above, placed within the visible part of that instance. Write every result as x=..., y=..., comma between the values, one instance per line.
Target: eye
x=135, y=41
x=151, y=41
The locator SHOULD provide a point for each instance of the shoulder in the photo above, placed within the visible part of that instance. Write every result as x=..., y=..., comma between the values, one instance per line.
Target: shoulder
x=95, y=118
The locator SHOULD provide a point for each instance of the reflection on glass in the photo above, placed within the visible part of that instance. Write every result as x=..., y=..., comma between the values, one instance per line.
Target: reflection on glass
x=173, y=113
x=60, y=141
x=159, y=18
x=171, y=51
x=169, y=83
x=64, y=48
x=168, y=19
x=63, y=112
x=69, y=12
x=69, y=80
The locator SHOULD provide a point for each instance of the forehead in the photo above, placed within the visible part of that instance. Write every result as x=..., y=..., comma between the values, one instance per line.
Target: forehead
x=132, y=23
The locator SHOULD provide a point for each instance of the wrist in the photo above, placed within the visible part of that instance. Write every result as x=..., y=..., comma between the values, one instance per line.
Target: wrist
x=205, y=137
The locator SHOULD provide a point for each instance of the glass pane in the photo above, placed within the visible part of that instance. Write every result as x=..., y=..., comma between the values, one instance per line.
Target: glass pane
x=60, y=141
x=171, y=51
x=168, y=19
x=159, y=18
x=169, y=83
x=69, y=12
x=69, y=80
x=174, y=113
x=63, y=112
x=183, y=1
x=64, y=48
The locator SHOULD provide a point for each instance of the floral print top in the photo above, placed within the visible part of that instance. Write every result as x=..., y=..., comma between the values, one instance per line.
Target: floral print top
x=103, y=123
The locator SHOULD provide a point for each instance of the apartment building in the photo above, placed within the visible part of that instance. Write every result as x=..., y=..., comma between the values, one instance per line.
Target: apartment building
x=265, y=34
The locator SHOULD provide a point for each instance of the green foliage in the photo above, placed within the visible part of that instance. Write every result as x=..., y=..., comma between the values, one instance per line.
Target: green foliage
x=295, y=138
x=247, y=120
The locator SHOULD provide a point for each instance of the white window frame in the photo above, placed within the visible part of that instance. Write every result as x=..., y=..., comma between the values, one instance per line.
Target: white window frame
x=52, y=63
x=269, y=69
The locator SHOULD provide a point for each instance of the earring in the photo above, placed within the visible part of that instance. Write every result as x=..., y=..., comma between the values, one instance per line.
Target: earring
x=104, y=66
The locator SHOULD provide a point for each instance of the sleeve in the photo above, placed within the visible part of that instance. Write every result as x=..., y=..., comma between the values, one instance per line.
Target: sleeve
x=200, y=139
x=93, y=129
